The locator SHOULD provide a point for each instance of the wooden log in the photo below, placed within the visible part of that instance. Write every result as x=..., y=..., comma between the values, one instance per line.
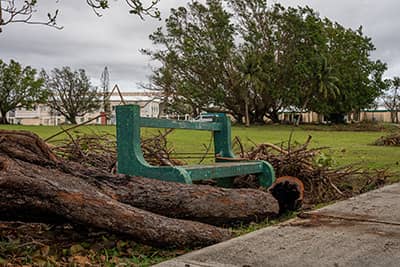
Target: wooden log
x=202, y=203
x=33, y=189
x=35, y=182
x=37, y=185
x=212, y=205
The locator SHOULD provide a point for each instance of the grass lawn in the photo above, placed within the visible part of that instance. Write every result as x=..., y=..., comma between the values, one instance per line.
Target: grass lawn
x=346, y=147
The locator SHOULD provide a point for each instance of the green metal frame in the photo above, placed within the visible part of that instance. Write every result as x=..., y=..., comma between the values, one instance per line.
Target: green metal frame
x=132, y=162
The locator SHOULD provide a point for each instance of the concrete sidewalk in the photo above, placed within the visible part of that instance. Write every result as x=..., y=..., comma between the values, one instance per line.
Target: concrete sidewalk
x=361, y=231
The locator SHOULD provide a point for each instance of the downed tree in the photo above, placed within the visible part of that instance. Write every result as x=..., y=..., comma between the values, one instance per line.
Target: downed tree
x=228, y=207
x=36, y=183
x=33, y=184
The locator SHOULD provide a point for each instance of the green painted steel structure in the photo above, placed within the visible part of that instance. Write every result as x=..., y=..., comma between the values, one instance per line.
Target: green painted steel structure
x=132, y=162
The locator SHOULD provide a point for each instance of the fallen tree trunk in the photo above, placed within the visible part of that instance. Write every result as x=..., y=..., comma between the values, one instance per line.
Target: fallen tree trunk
x=217, y=206
x=28, y=188
x=32, y=179
x=203, y=203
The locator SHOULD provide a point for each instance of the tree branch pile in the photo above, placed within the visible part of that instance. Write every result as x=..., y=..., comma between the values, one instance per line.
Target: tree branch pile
x=36, y=184
x=100, y=151
x=389, y=140
x=322, y=183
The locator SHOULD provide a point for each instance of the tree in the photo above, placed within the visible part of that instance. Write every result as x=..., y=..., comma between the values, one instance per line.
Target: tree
x=71, y=93
x=279, y=47
x=263, y=62
x=359, y=77
x=19, y=88
x=265, y=59
x=391, y=98
x=12, y=11
x=198, y=60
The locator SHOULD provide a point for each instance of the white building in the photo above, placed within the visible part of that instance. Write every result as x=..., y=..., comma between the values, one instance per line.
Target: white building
x=43, y=115
x=38, y=115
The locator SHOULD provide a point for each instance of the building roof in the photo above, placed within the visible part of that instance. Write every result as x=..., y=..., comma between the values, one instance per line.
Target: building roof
x=132, y=98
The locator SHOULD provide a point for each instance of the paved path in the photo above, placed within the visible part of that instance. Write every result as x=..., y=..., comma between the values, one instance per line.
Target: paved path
x=361, y=231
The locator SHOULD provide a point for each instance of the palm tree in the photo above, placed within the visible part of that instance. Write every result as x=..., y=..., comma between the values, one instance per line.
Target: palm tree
x=326, y=81
x=324, y=84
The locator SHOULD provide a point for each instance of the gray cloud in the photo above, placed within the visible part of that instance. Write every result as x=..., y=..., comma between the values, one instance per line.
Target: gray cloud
x=115, y=39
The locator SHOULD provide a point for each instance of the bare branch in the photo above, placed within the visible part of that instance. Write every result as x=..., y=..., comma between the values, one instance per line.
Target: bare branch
x=13, y=11
x=10, y=12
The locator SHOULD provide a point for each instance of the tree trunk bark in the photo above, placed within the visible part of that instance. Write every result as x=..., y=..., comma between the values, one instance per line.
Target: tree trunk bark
x=297, y=123
x=32, y=178
x=274, y=116
x=246, y=112
x=3, y=118
x=72, y=119
x=33, y=184
x=31, y=189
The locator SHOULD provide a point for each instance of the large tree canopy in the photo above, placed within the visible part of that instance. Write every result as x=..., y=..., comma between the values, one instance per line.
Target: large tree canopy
x=254, y=60
x=19, y=88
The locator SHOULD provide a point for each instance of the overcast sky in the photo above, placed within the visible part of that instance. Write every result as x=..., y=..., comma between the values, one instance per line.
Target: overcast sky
x=90, y=42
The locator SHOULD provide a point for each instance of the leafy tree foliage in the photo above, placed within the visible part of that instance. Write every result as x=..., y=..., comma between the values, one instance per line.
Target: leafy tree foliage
x=71, y=93
x=19, y=88
x=254, y=60
x=358, y=77
x=199, y=43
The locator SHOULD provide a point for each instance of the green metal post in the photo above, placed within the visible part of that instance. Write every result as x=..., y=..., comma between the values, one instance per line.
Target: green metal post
x=128, y=138
x=130, y=155
x=222, y=138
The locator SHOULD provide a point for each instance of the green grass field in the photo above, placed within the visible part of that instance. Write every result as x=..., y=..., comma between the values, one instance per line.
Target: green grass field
x=346, y=147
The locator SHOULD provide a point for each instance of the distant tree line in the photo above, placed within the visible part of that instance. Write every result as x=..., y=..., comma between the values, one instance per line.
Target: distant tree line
x=67, y=92
x=253, y=60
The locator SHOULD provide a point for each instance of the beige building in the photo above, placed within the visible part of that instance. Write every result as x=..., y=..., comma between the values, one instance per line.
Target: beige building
x=376, y=115
x=379, y=114
x=306, y=117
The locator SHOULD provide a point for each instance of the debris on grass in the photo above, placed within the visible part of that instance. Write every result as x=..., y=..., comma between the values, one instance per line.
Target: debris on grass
x=38, y=244
x=364, y=126
x=322, y=182
x=42, y=244
x=100, y=151
x=313, y=166
x=389, y=140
